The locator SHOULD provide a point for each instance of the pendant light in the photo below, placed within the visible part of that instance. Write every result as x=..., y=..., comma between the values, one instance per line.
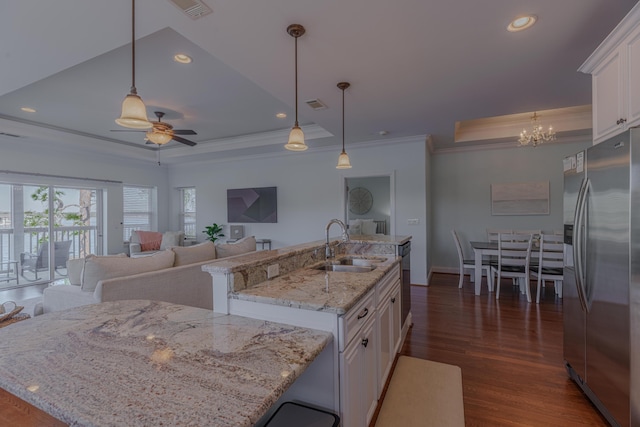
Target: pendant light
x=296, y=137
x=134, y=113
x=343, y=160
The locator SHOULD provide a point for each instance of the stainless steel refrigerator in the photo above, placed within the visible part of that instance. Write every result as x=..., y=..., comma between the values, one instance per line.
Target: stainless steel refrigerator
x=601, y=288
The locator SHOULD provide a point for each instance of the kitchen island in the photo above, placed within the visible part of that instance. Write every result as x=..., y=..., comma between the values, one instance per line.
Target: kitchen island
x=362, y=310
x=151, y=363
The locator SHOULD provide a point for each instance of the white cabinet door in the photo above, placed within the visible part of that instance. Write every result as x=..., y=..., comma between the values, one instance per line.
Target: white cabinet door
x=615, y=70
x=351, y=383
x=633, y=72
x=396, y=320
x=358, y=363
x=370, y=366
x=608, y=94
x=385, y=339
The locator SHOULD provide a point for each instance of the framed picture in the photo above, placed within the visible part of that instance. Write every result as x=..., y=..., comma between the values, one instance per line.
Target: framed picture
x=236, y=231
x=528, y=198
x=252, y=205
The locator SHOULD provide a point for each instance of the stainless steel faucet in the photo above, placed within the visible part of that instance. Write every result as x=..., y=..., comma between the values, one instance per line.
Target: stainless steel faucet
x=345, y=237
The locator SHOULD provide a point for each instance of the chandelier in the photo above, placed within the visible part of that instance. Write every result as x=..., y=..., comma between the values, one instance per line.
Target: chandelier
x=537, y=135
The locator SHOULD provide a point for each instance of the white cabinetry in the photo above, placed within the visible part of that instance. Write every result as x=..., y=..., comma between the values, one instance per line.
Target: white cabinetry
x=358, y=363
x=370, y=335
x=615, y=70
x=389, y=328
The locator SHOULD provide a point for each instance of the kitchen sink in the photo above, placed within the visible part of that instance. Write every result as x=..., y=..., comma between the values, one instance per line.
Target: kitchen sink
x=347, y=268
x=352, y=264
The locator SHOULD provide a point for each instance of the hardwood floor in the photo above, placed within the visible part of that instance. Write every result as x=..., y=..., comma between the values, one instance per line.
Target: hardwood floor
x=510, y=353
x=22, y=293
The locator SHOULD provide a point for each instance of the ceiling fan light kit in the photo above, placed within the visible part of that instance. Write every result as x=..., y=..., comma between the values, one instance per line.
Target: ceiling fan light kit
x=134, y=112
x=296, y=136
x=343, y=159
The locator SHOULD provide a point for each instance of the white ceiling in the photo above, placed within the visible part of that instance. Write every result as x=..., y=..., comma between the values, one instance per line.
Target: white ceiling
x=416, y=67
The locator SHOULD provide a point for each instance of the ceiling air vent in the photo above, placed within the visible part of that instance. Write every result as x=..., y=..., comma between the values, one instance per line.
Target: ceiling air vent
x=194, y=9
x=316, y=104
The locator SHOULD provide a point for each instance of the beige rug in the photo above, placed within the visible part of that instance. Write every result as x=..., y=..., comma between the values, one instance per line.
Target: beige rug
x=423, y=393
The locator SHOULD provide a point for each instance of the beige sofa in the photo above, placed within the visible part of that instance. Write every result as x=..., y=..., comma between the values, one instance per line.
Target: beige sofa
x=174, y=275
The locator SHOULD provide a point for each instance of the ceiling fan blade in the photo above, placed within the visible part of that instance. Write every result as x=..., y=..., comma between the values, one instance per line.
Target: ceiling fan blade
x=184, y=132
x=184, y=141
x=128, y=130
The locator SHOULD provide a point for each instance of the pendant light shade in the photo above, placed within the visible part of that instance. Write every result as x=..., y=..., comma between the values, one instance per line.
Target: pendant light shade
x=343, y=160
x=134, y=112
x=296, y=136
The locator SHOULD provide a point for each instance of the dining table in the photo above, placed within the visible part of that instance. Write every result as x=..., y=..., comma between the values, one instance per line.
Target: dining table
x=481, y=249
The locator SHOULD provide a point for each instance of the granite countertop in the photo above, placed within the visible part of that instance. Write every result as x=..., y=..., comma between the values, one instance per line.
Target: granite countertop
x=142, y=363
x=318, y=290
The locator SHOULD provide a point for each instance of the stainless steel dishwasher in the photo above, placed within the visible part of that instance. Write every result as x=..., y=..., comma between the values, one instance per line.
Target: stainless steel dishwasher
x=404, y=251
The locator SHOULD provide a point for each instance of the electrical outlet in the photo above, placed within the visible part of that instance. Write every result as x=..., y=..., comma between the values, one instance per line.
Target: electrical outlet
x=273, y=271
x=413, y=221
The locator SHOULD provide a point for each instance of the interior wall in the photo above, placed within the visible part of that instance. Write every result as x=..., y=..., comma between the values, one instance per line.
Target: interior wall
x=310, y=191
x=380, y=188
x=23, y=156
x=461, y=190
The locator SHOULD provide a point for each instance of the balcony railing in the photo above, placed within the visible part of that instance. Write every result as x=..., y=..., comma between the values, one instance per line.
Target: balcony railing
x=83, y=242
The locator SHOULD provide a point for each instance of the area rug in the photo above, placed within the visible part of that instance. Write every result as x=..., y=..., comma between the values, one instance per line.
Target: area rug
x=423, y=393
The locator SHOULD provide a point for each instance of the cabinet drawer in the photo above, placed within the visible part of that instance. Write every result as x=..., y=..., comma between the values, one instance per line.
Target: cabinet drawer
x=387, y=282
x=351, y=323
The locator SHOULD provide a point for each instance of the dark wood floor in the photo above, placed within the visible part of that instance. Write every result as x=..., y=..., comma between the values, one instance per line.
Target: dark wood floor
x=510, y=352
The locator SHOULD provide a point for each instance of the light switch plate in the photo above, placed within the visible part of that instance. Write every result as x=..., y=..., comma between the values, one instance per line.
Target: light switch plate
x=413, y=221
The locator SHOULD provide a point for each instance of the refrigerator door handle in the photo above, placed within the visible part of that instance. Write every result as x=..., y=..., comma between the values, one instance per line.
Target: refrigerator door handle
x=578, y=252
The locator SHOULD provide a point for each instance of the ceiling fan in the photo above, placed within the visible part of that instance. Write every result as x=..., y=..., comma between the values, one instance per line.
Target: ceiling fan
x=163, y=132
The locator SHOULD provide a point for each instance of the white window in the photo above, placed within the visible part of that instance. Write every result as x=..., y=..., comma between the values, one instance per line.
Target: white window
x=138, y=210
x=188, y=211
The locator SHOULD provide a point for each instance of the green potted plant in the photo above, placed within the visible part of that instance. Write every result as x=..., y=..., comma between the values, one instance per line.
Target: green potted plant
x=213, y=231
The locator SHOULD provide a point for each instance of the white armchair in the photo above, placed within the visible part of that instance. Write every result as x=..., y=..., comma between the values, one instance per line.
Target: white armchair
x=139, y=247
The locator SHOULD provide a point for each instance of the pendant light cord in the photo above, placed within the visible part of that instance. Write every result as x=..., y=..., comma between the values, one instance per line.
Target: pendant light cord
x=133, y=47
x=296, y=73
x=343, y=120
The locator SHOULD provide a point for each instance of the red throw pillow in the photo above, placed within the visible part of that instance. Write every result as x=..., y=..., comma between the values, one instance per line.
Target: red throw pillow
x=149, y=240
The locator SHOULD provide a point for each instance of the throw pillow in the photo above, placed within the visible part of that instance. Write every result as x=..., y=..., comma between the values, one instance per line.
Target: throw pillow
x=355, y=226
x=191, y=254
x=369, y=227
x=149, y=240
x=97, y=268
x=74, y=271
x=242, y=246
x=171, y=238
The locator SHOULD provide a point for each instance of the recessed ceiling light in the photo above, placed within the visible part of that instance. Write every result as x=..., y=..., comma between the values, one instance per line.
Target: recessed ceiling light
x=182, y=58
x=522, y=23
x=281, y=115
x=28, y=110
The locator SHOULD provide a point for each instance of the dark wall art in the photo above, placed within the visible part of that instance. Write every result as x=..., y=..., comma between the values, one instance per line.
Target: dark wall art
x=252, y=205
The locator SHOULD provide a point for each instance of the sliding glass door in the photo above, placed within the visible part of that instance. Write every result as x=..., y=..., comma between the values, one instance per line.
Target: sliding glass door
x=42, y=226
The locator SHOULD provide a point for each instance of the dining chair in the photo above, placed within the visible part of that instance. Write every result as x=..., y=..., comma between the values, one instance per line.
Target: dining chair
x=492, y=233
x=550, y=263
x=470, y=264
x=514, y=254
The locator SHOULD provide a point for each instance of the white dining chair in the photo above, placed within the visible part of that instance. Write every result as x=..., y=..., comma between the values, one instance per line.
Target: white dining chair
x=492, y=233
x=514, y=254
x=550, y=263
x=470, y=264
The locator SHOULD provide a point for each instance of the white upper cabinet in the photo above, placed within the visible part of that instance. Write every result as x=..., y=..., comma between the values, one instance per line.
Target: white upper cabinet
x=615, y=70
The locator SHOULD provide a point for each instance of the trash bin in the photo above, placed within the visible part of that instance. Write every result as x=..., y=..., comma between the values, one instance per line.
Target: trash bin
x=292, y=414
